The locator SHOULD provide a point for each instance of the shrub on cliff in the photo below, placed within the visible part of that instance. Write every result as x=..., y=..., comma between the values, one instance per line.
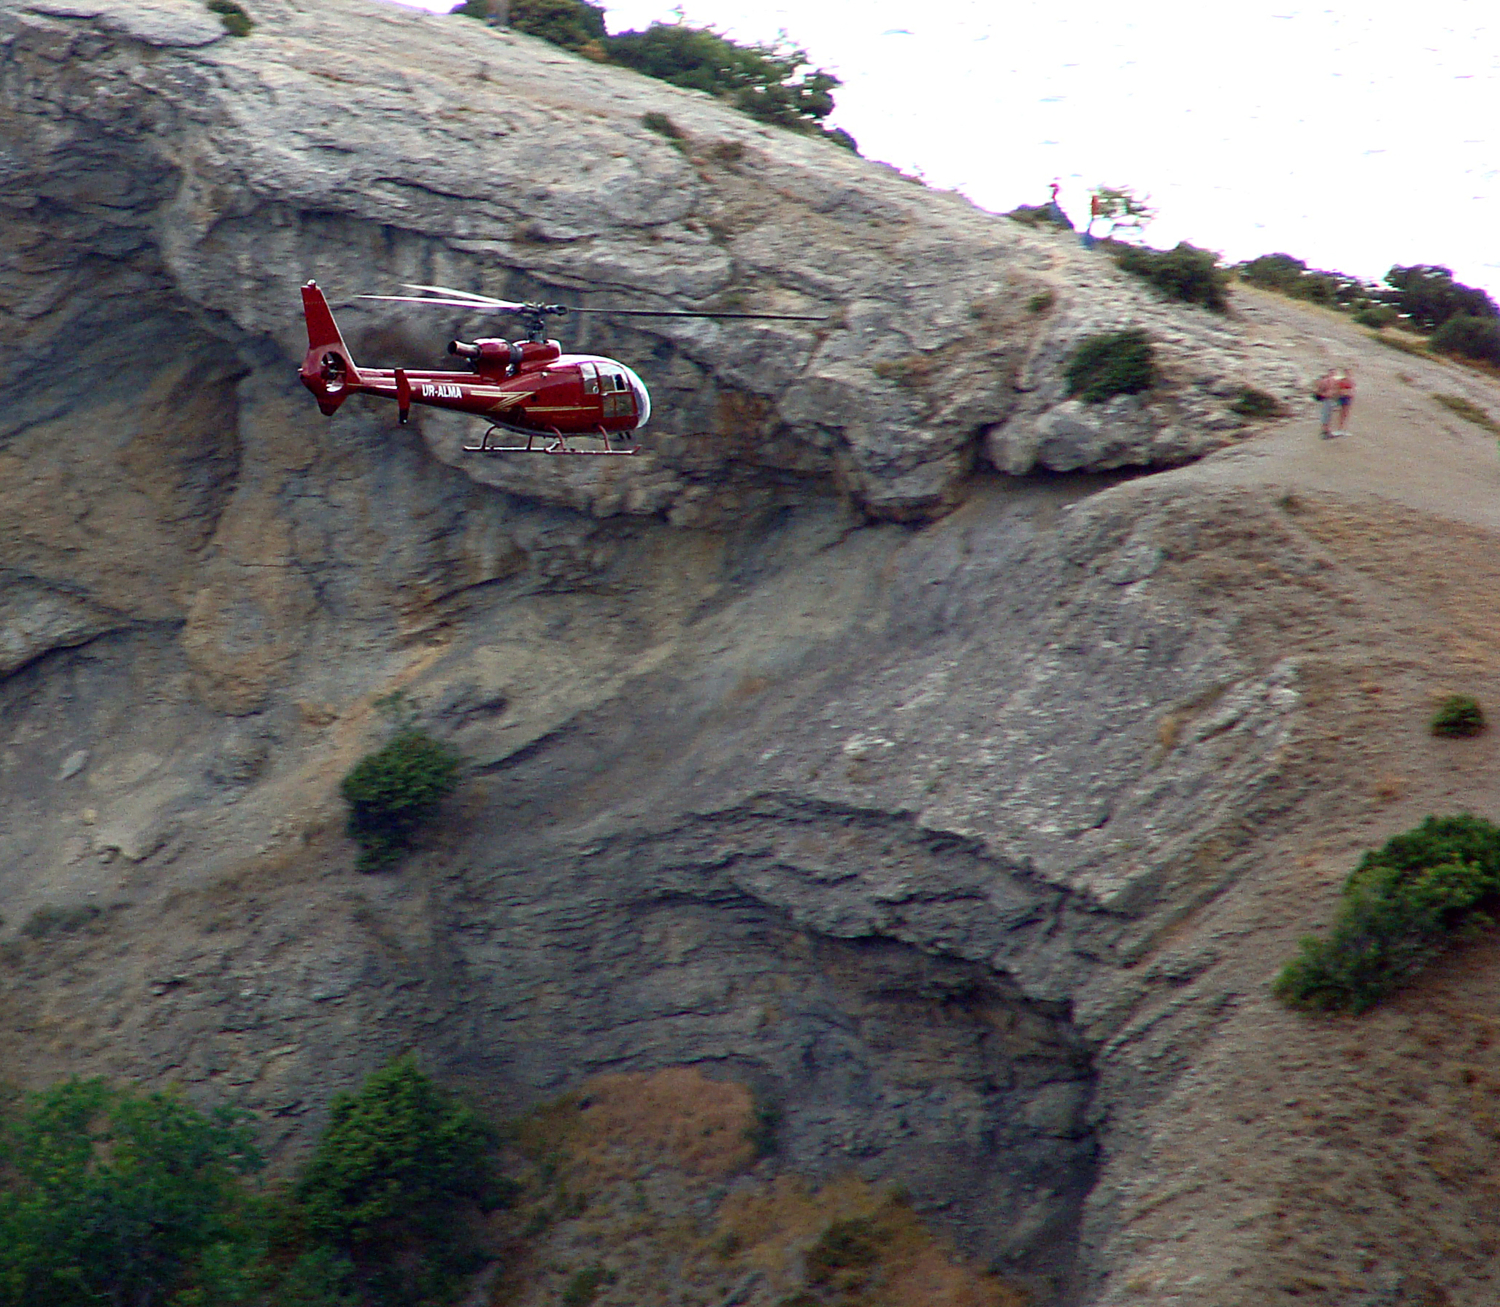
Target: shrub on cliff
x=1400, y=907
x=1468, y=337
x=1458, y=716
x=395, y=791
x=1115, y=363
x=112, y=1196
x=398, y=1168
x=1041, y=215
x=1256, y=404
x=233, y=16
x=572, y=24
x=767, y=82
x=1183, y=273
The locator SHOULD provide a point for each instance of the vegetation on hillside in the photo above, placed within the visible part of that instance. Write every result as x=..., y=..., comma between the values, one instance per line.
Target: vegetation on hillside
x=395, y=791
x=775, y=84
x=1041, y=215
x=1460, y=321
x=1400, y=908
x=113, y=1196
x=1113, y=363
x=388, y=1193
x=1184, y=273
x=1466, y=336
x=1292, y=277
x=1469, y=411
x=1427, y=296
x=1458, y=716
x=233, y=16
x=109, y=1195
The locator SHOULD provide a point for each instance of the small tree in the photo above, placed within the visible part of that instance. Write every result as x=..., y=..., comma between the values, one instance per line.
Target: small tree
x=112, y=1196
x=1427, y=295
x=1401, y=906
x=395, y=791
x=572, y=24
x=1121, y=208
x=1468, y=337
x=767, y=82
x=396, y=1169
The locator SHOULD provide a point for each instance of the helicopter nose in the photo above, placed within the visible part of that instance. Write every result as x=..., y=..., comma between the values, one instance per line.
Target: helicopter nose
x=642, y=398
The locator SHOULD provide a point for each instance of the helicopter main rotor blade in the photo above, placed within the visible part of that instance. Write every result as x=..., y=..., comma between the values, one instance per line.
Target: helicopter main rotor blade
x=450, y=293
x=462, y=299
x=693, y=313
x=488, y=306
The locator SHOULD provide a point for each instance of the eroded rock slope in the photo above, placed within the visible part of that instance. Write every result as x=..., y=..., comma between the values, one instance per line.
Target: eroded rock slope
x=814, y=748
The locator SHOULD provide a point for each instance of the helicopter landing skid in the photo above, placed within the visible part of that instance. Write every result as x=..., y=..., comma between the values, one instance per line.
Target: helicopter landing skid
x=559, y=445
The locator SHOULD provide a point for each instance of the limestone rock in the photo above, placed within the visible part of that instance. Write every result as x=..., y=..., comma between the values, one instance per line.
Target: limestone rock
x=327, y=147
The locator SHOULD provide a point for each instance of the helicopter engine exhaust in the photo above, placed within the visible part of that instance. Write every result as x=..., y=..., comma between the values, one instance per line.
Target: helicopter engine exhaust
x=487, y=355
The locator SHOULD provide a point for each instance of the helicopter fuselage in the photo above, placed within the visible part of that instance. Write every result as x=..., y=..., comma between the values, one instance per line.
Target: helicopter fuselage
x=530, y=386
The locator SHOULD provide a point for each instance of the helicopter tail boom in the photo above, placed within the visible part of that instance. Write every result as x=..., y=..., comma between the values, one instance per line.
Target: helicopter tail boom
x=327, y=369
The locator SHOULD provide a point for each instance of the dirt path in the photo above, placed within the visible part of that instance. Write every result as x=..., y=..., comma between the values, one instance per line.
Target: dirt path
x=1402, y=443
x=1338, y=1161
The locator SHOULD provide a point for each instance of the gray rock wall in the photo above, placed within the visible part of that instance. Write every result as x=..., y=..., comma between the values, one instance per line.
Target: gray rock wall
x=779, y=765
x=369, y=146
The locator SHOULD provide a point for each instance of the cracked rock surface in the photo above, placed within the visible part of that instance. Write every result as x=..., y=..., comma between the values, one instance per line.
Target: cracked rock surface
x=883, y=739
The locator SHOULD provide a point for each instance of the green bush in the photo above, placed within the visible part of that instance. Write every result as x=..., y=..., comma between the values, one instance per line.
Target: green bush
x=234, y=18
x=762, y=1134
x=394, y=1174
x=1041, y=302
x=393, y=792
x=1115, y=363
x=585, y=1285
x=1041, y=215
x=1468, y=337
x=111, y=1196
x=1183, y=273
x=767, y=82
x=1292, y=277
x=1400, y=907
x=1458, y=715
x=1427, y=295
x=1256, y=404
x=572, y=24
x=48, y=921
x=1377, y=316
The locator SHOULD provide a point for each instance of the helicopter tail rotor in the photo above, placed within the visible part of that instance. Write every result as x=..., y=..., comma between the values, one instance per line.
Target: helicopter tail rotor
x=327, y=369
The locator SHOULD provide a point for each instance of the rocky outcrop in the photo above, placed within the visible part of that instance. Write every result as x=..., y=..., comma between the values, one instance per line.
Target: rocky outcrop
x=369, y=147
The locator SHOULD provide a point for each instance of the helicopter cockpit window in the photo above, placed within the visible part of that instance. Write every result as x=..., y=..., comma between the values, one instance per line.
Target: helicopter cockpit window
x=619, y=405
x=590, y=378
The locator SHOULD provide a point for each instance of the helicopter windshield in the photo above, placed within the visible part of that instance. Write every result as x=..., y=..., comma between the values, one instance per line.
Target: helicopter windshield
x=642, y=397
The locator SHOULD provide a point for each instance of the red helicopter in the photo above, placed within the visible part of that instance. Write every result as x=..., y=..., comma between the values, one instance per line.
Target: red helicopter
x=525, y=388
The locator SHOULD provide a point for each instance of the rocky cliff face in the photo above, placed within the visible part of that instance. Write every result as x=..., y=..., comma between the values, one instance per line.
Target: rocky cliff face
x=811, y=748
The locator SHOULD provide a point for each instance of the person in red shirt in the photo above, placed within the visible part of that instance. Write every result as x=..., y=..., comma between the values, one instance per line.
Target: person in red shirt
x=1335, y=393
x=1343, y=399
